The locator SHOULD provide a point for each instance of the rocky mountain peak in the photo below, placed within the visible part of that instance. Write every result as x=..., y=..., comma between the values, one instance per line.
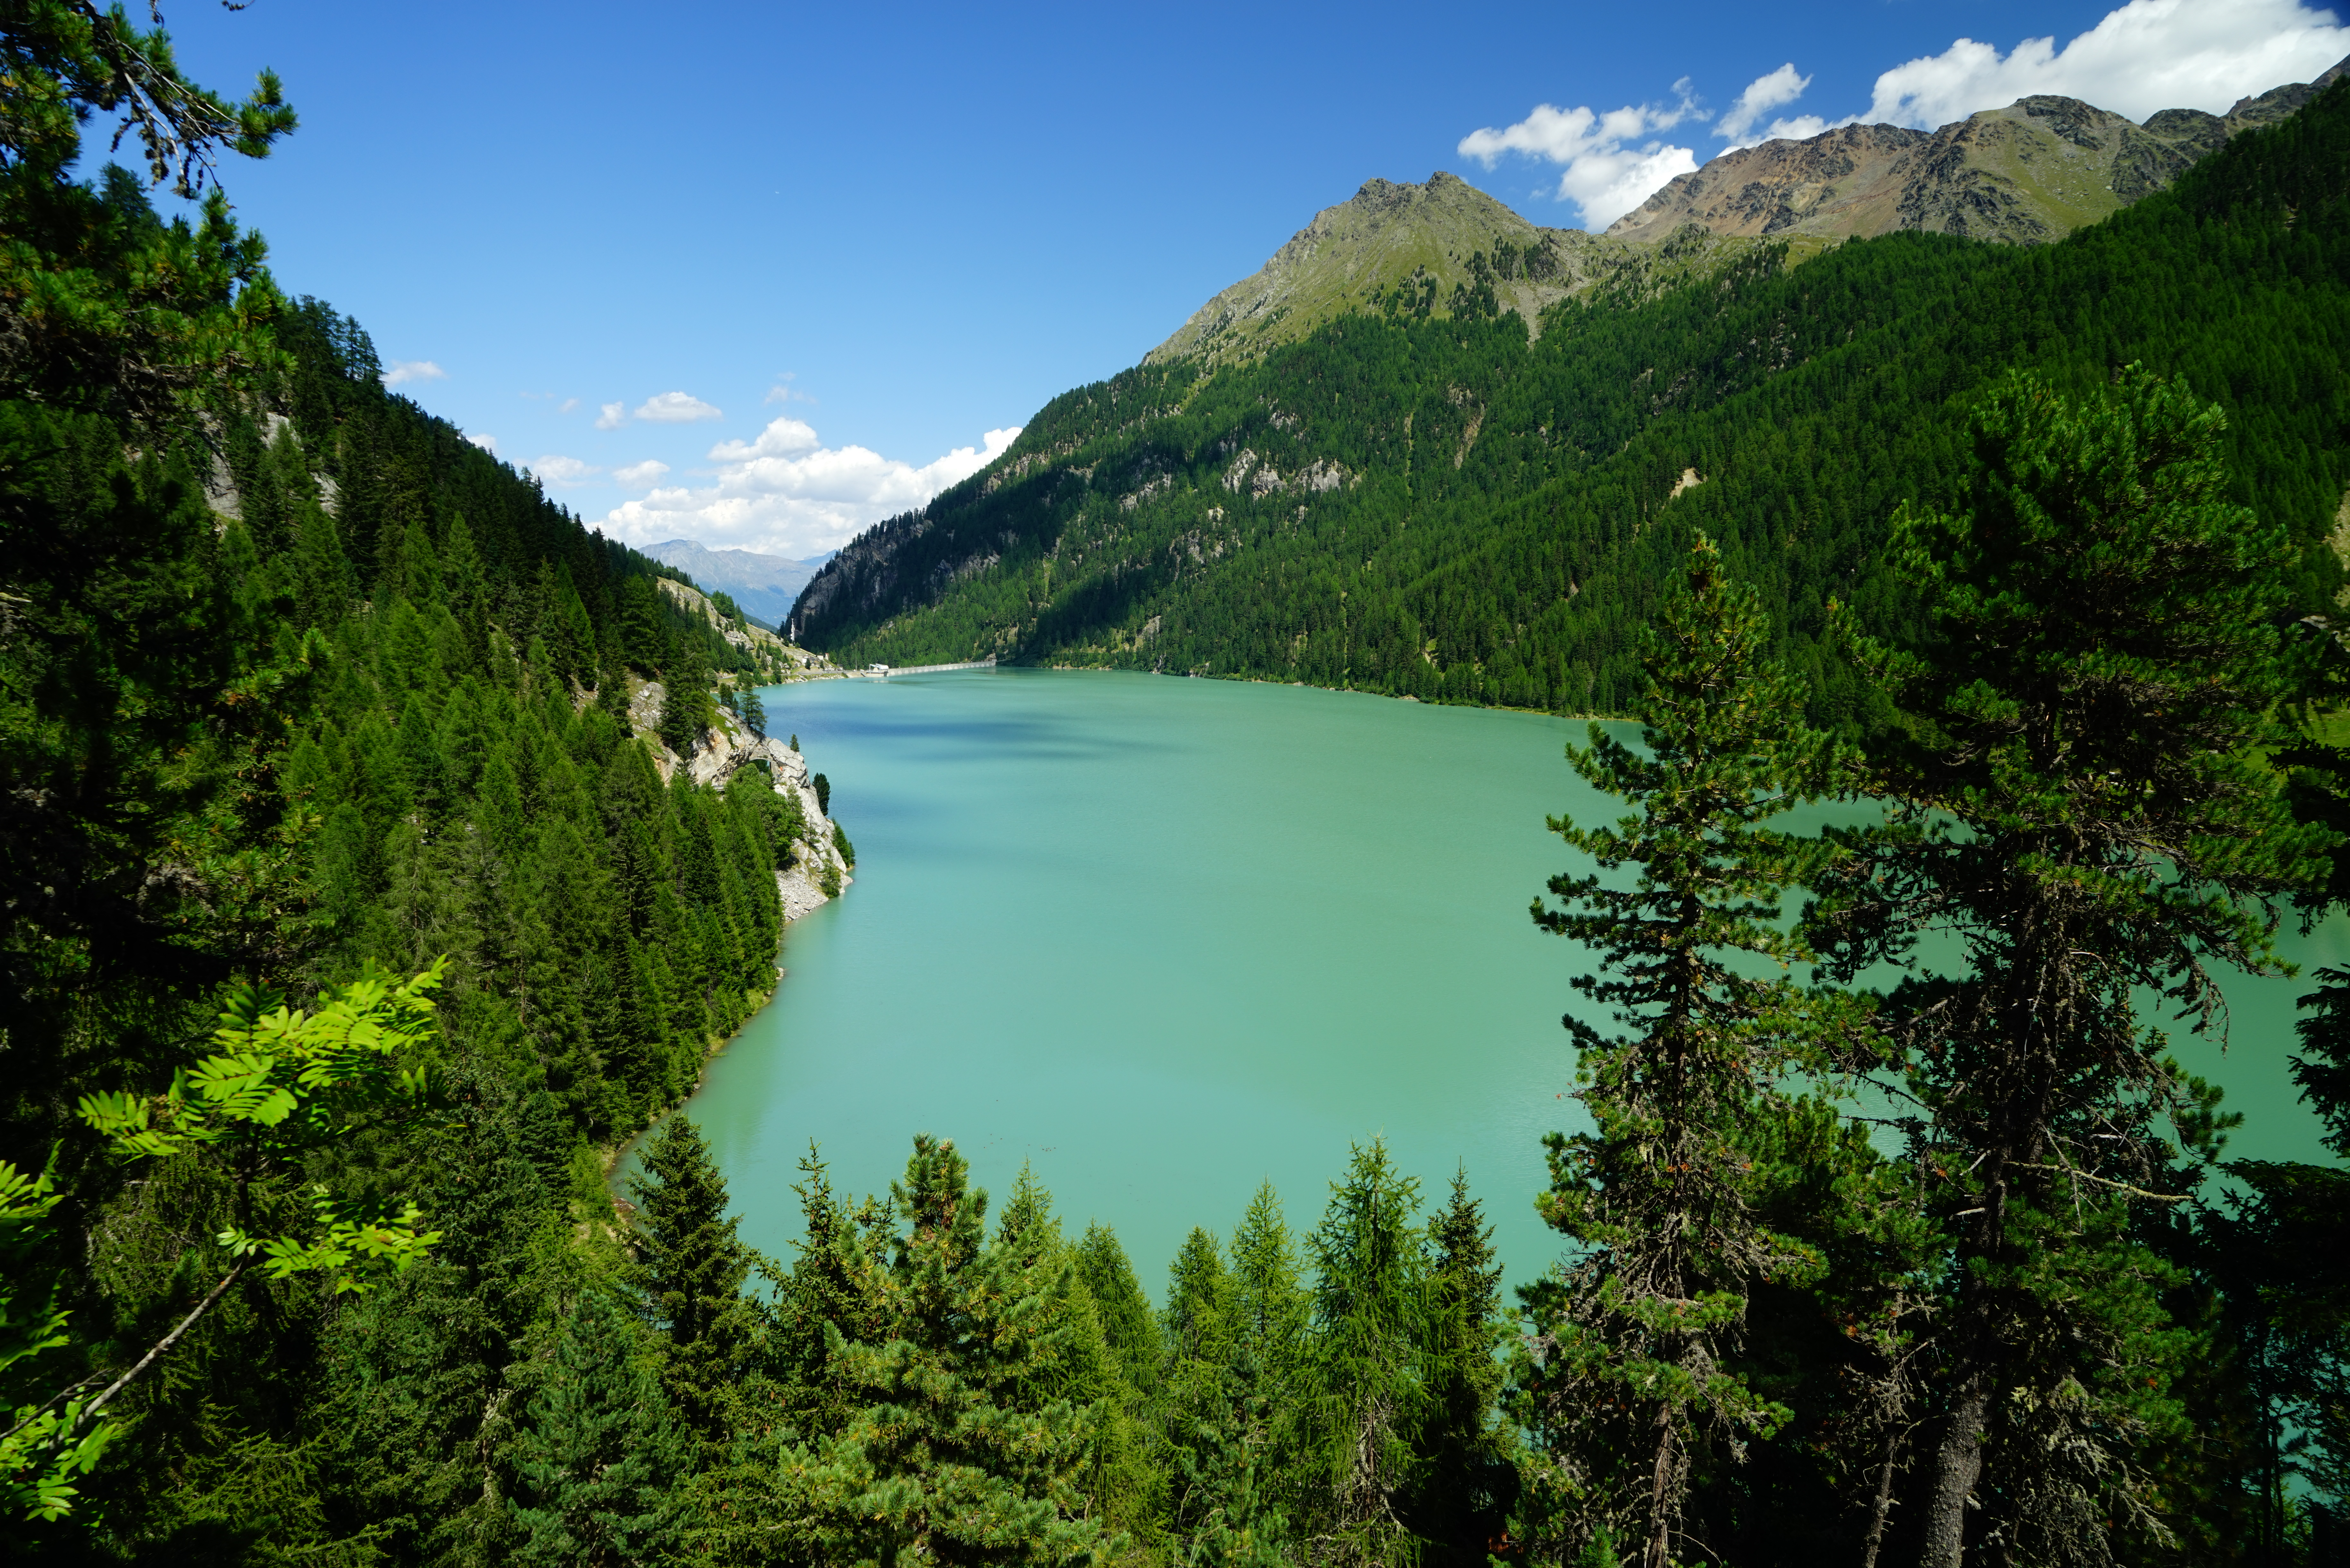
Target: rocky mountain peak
x=2028, y=173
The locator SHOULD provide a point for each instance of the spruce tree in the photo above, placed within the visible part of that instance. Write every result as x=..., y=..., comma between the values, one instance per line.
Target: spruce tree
x=943, y=1463
x=1629, y=1370
x=1466, y=1482
x=1366, y=1378
x=2083, y=796
x=691, y=1268
x=596, y=1457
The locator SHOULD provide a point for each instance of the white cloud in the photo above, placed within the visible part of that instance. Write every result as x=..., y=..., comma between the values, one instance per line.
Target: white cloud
x=782, y=438
x=568, y=404
x=1764, y=94
x=613, y=416
x=1610, y=169
x=488, y=443
x=788, y=495
x=637, y=475
x=2148, y=54
x=675, y=409
x=782, y=394
x=566, y=471
x=403, y=371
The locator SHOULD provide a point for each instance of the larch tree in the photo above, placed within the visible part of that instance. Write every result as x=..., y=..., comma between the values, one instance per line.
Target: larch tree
x=1365, y=1381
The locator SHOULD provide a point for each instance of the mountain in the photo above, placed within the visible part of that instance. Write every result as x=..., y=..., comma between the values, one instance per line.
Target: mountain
x=1430, y=500
x=2028, y=173
x=1418, y=247
x=764, y=586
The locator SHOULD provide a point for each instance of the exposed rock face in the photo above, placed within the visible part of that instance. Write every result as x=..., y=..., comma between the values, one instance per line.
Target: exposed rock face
x=718, y=755
x=1389, y=236
x=2028, y=173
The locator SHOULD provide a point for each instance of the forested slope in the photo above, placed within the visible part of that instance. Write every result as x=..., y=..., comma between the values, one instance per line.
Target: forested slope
x=298, y=685
x=1438, y=508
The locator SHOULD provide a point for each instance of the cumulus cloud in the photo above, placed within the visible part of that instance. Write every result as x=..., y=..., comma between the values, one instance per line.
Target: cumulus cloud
x=783, y=438
x=403, y=371
x=1739, y=126
x=1613, y=161
x=566, y=471
x=786, y=494
x=613, y=416
x=675, y=409
x=638, y=476
x=488, y=443
x=2148, y=54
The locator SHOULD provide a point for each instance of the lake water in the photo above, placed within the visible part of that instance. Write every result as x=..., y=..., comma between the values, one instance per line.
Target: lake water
x=1167, y=940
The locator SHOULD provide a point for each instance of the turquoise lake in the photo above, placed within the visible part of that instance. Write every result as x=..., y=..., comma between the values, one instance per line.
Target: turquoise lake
x=1165, y=939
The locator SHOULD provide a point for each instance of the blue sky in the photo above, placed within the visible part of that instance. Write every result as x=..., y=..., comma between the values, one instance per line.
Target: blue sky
x=839, y=244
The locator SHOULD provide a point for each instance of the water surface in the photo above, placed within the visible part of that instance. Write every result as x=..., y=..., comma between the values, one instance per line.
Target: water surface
x=1167, y=939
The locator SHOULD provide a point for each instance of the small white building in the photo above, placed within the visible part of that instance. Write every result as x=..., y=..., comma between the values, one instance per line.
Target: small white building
x=878, y=669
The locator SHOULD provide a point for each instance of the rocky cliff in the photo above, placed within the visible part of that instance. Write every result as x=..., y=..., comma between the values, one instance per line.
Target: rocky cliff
x=817, y=870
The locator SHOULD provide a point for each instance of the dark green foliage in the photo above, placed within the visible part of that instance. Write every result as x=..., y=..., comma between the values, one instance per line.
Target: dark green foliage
x=594, y=1459
x=949, y=1455
x=692, y=1271
x=2080, y=796
x=1633, y=1369
x=1467, y=1485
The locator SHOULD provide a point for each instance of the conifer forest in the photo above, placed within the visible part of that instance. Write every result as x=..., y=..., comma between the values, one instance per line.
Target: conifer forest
x=357, y=905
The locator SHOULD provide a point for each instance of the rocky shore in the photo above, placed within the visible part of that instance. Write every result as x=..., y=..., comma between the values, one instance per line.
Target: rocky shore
x=718, y=753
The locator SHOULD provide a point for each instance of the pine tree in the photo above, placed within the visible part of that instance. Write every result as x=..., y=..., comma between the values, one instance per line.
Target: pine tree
x=1635, y=1334
x=2084, y=799
x=691, y=1268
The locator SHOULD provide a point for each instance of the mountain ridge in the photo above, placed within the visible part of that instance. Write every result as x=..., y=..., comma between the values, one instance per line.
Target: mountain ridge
x=1424, y=249
x=1448, y=508
x=2029, y=172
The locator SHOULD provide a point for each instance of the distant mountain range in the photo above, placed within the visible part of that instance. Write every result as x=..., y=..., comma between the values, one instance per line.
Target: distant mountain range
x=764, y=586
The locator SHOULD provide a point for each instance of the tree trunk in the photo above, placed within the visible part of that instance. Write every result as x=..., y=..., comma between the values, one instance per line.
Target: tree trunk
x=1660, y=1512
x=1882, y=1504
x=1957, y=1466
